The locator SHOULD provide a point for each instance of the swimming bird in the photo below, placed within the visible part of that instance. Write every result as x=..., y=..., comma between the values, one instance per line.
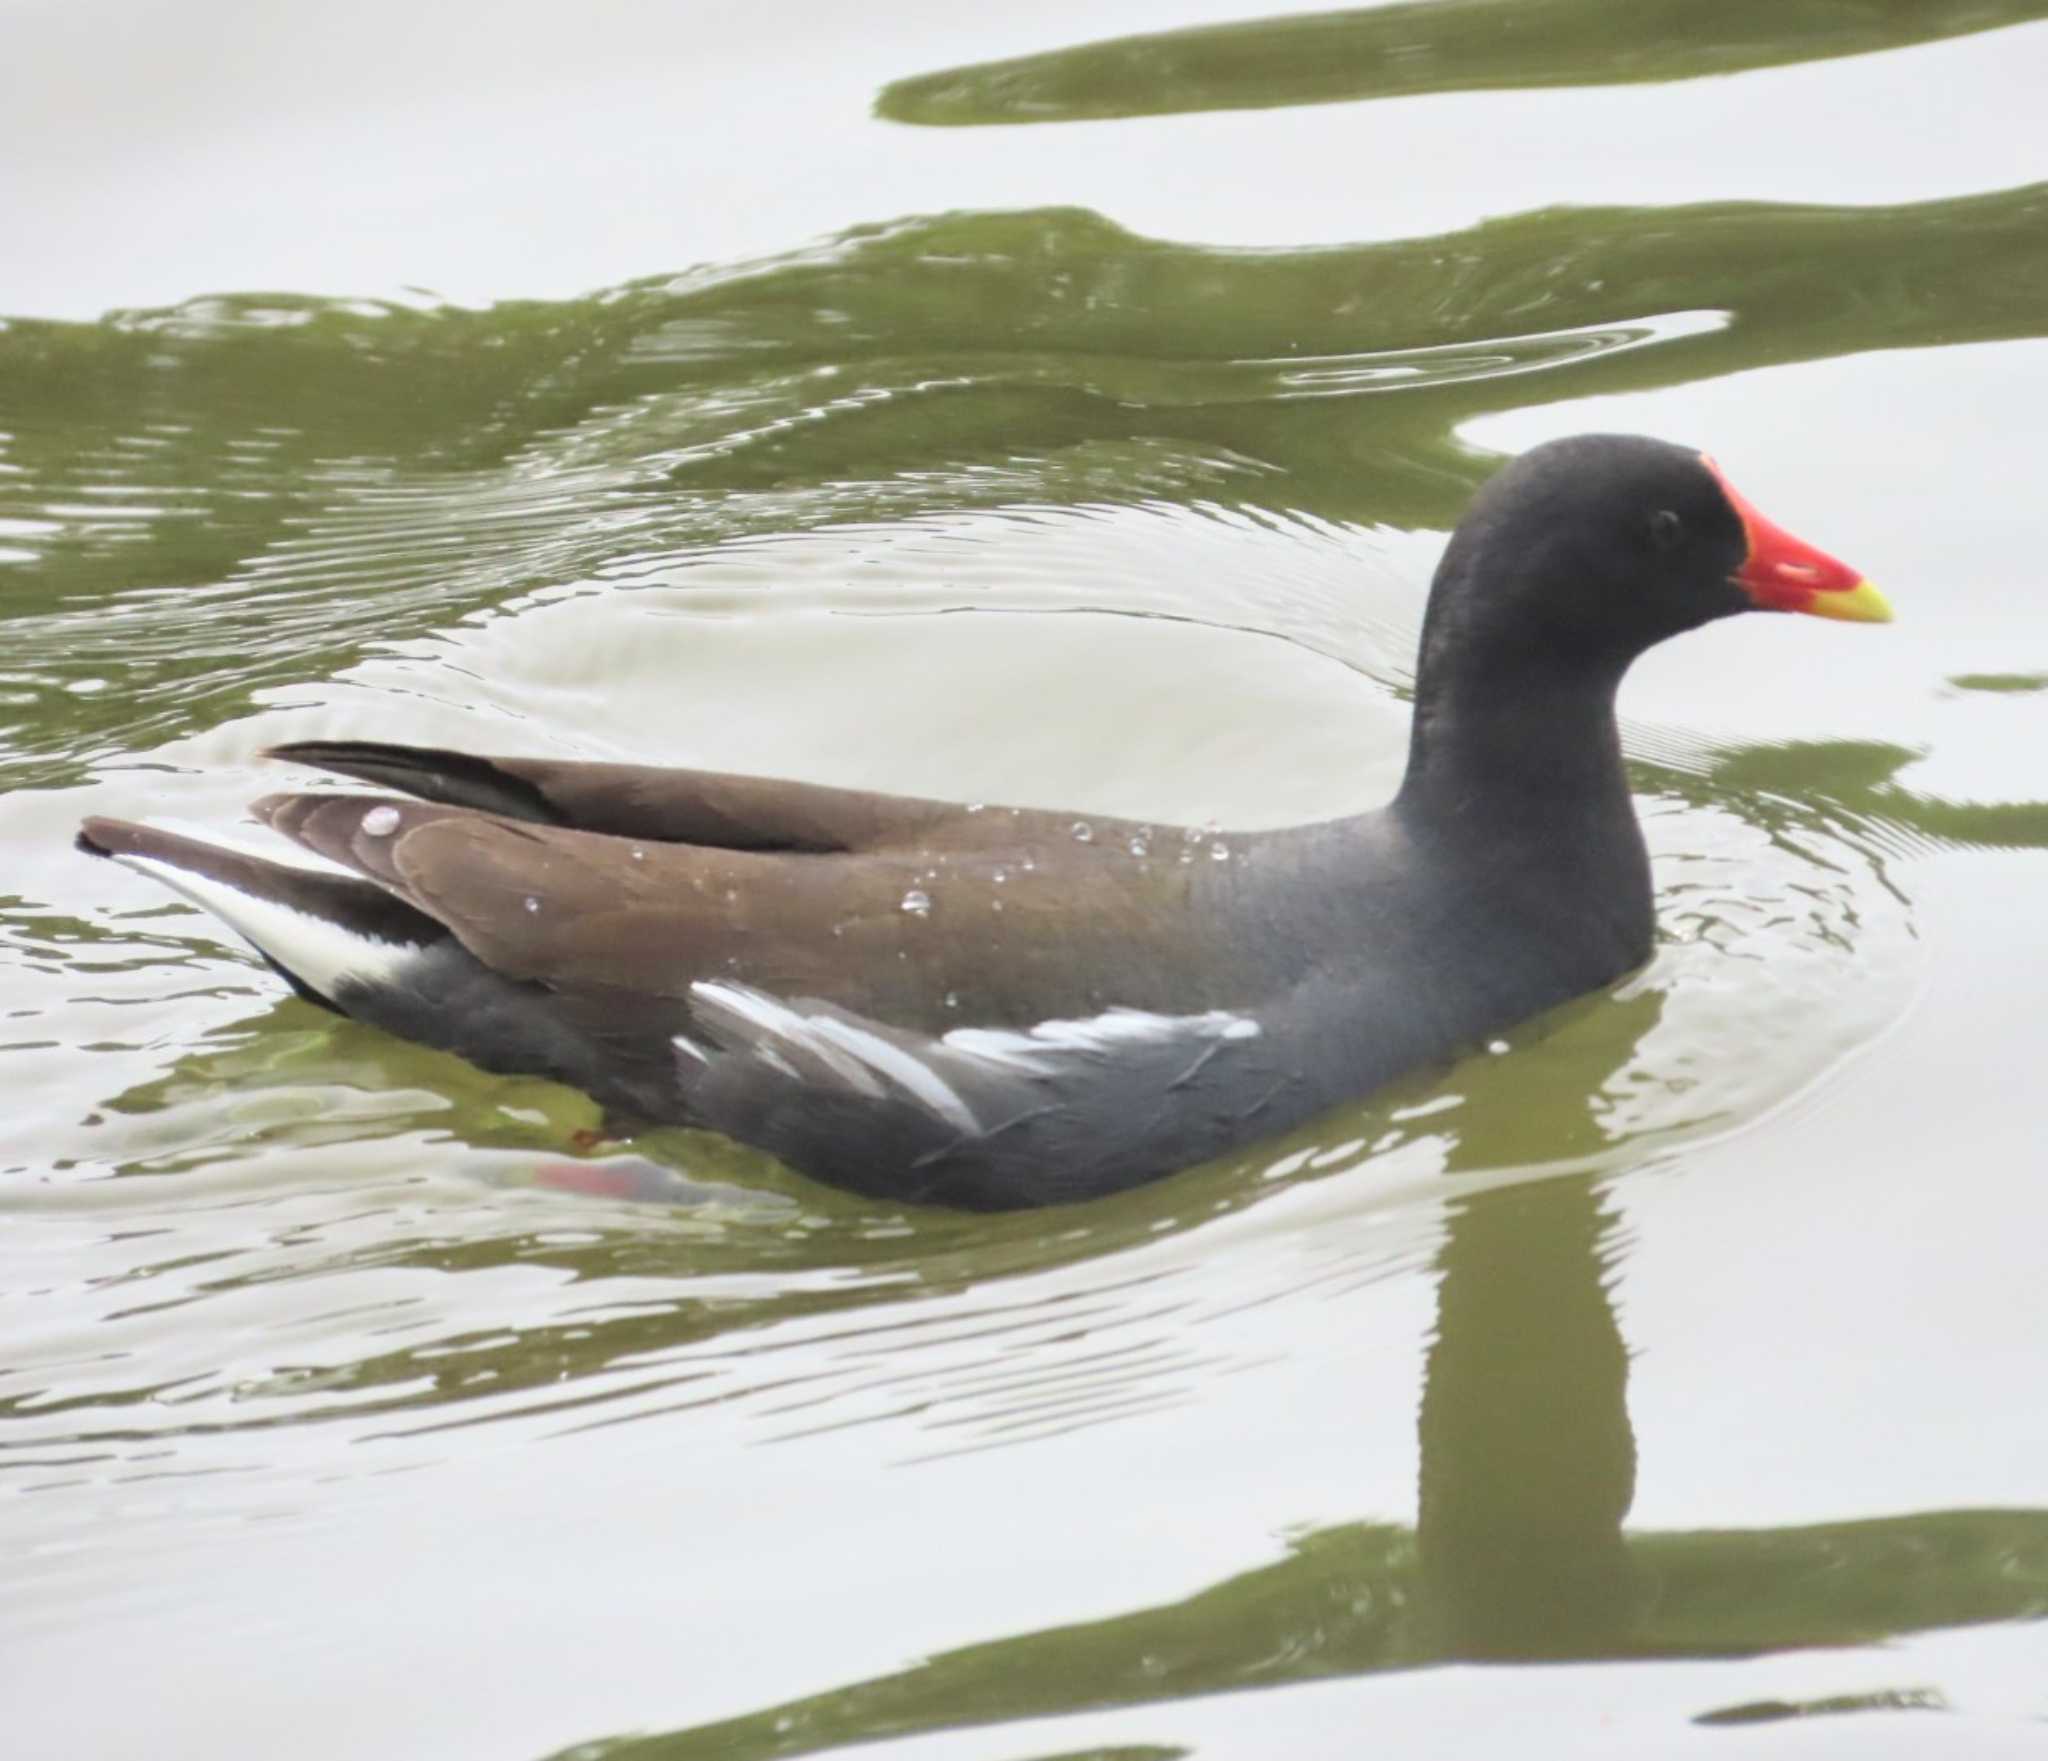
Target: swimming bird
x=992, y=1007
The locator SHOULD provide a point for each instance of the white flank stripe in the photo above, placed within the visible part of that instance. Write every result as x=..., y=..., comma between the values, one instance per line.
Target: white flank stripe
x=766, y=1015
x=1041, y=1047
x=857, y=1055
x=905, y=1069
x=756, y=1008
x=816, y=1037
x=320, y=952
x=787, y=1024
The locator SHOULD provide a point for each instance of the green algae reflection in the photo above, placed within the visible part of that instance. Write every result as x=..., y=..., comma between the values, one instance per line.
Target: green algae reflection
x=1427, y=46
x=296, y=461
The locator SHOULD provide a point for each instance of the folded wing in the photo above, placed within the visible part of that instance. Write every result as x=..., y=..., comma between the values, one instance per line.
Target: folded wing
x=713, y=809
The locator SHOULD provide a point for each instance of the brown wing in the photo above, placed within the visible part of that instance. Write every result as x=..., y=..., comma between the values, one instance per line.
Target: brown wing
x=1029, y=925
x=709, y=808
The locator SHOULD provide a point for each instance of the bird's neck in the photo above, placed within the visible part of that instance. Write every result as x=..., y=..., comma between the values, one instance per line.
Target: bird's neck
x=1515, y=780
x=1516, y=742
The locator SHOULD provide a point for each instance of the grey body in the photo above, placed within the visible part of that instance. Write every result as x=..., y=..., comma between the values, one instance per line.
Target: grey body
x=1328, y=939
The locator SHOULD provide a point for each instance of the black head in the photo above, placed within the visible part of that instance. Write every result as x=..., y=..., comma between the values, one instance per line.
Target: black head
x=1590, y=549
x=1568, y=564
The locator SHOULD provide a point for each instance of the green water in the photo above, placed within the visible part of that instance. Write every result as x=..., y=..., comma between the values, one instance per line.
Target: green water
x=1684, y=1353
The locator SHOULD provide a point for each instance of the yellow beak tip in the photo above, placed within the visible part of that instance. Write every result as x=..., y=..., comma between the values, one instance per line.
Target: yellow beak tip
x=1861, y=604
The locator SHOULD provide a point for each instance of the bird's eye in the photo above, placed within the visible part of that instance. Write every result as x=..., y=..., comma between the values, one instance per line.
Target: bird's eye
x=1666, y=529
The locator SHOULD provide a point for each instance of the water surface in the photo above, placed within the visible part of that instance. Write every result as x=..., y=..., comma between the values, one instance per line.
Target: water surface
x=1682, y=1349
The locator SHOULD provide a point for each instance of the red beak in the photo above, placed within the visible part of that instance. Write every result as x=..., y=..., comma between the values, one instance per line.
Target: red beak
x=1783, y=573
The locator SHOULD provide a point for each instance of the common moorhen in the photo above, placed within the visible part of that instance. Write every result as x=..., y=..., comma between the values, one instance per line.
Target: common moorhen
x=988, y=1006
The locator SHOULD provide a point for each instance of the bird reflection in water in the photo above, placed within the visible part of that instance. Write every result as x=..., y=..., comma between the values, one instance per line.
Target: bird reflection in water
x=1527, y=1468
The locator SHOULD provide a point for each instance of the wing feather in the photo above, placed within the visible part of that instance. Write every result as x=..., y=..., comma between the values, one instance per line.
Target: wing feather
x=713, y=809
x=982, y=1117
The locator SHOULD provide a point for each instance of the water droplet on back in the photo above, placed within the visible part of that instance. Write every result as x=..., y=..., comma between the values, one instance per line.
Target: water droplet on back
x=1083, y=831
x=381, y=822
x=917, y=902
